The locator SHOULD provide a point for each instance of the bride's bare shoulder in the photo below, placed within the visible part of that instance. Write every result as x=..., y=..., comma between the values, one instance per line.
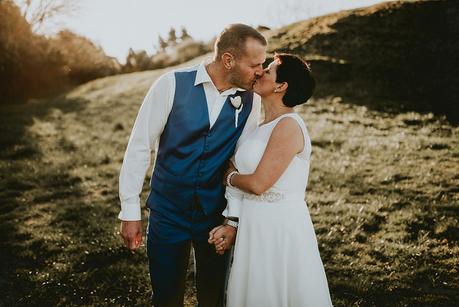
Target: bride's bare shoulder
x=288, y=132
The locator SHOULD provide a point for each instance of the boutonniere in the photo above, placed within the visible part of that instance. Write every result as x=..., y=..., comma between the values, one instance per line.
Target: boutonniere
x=237, y=104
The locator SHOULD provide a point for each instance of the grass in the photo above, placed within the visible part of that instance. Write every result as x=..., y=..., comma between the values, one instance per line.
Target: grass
x=384, y=199
x=383, y=195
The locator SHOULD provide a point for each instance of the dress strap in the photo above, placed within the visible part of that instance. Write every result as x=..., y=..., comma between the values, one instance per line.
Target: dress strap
x=306, y=153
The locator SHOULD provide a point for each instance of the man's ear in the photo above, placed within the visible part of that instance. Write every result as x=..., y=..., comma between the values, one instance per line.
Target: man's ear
x=228, y=60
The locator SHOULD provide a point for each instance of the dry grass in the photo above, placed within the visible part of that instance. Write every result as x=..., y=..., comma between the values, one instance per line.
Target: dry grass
x=59, y=177
x=382, y=51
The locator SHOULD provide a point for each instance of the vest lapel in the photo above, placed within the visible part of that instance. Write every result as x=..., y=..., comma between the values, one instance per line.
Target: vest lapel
x=223, y=112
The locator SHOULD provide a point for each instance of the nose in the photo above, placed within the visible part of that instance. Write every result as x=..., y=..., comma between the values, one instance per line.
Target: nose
x=259, y=73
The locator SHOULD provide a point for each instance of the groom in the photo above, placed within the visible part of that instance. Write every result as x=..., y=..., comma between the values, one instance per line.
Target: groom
x=197, y=117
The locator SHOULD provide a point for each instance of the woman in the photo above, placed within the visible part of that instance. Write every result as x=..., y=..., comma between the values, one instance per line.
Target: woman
x=276, y=258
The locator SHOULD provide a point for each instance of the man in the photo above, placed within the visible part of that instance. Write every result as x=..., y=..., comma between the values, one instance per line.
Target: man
x=196, y=116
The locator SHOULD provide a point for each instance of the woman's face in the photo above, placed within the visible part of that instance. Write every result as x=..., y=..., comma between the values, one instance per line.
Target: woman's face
x=266, y=84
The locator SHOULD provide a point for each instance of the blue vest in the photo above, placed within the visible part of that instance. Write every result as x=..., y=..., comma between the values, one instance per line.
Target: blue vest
x=191, y=158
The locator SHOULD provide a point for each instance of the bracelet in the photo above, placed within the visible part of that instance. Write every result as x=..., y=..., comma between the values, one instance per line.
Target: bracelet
x=228, y=178
x=231, y=223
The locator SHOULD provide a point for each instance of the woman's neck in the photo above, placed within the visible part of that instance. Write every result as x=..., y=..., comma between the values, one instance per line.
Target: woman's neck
x=274, y=108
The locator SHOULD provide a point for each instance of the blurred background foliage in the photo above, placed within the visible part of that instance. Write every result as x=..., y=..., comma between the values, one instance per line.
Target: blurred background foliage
x=34, y=65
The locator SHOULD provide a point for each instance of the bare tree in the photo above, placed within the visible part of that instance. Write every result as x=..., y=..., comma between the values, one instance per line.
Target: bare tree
x=39, y=12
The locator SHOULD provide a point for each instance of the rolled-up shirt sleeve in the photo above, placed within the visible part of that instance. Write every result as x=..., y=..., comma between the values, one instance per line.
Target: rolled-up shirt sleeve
x=233, y=195
x=148, y=126
x=234, y=198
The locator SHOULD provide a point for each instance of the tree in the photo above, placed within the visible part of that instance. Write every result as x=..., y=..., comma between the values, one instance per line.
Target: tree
x=33, y=65
x=172, y=38
x=40, y=12
x=184, y=34
x=137, y=61
x=162, y=44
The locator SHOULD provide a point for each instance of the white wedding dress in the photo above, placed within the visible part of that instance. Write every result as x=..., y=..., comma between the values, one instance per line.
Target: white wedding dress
x=276, y=258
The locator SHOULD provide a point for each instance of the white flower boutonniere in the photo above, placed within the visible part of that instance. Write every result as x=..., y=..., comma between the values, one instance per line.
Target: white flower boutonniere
x=237, y=104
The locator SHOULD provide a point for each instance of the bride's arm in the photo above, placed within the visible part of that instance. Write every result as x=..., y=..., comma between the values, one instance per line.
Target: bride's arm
x=285, y=142
x=234, y=199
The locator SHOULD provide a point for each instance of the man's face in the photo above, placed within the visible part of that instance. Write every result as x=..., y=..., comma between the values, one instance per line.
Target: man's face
x=248, y=66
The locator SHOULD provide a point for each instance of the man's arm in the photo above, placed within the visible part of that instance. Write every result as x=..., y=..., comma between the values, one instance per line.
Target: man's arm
x=148, y=126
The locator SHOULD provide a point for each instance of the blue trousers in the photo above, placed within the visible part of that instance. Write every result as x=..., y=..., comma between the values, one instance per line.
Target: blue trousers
x=170, y=237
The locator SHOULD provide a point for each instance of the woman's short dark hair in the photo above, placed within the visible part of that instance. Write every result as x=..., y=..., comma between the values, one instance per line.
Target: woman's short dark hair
x=297, y=73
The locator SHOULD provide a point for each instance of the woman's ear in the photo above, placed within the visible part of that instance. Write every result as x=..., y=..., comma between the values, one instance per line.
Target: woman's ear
x=228, y=60
x=281, y=87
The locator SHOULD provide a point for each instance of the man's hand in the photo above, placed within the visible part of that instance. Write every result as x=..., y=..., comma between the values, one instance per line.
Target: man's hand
x=222, y=237
x=131, y=232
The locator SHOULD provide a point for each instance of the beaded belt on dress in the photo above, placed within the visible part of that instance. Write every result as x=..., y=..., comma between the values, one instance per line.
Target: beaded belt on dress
x=272, y=196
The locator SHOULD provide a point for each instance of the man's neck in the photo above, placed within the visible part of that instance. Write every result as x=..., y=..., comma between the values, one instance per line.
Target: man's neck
x=218, y=76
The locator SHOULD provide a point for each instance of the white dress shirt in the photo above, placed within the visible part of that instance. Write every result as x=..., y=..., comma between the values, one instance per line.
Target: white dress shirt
x=149, y=125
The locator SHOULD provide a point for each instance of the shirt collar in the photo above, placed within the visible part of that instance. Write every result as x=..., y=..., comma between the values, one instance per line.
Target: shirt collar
x=203, y=77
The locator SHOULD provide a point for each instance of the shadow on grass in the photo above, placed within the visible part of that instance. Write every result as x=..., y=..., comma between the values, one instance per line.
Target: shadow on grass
x=47, y=227
x=361, y=291
x=59, y=245
x=411, y=270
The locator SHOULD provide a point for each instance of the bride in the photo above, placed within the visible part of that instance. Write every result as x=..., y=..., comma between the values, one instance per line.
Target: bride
x=276, y=258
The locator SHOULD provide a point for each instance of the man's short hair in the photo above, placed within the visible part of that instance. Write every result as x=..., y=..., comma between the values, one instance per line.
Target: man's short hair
x=232, y=39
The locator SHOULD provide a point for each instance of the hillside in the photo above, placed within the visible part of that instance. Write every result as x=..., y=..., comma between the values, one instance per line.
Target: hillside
x=395, y=56
x=383, y=191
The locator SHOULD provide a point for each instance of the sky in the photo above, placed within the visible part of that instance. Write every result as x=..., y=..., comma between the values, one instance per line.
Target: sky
x=117, y=25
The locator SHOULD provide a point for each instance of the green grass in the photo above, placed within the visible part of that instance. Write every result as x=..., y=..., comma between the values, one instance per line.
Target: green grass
x=383, y=195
